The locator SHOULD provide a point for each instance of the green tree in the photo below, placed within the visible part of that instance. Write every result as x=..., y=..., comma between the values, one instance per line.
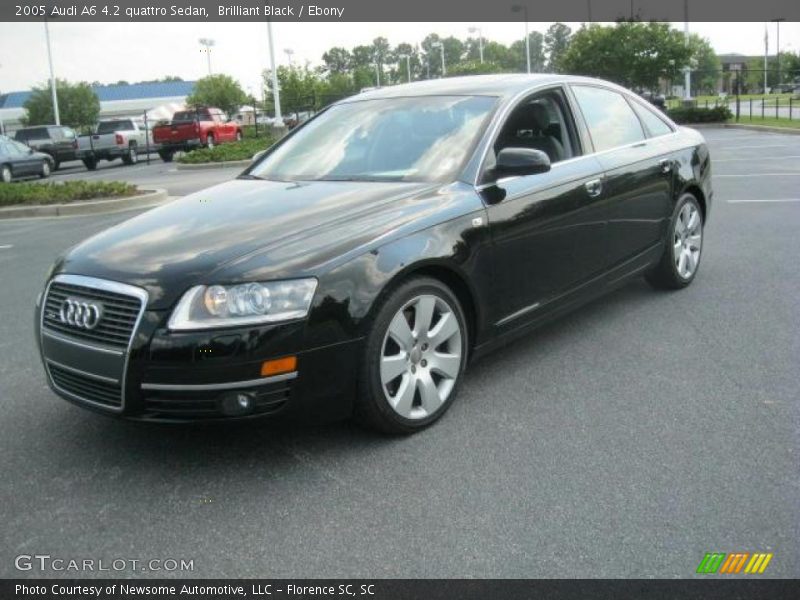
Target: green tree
x=706, y=67
x=221, y=91
x=299, y=87
x=517, y=53
x=631, y=53
x=556, y=42
x=337, y=60
x=78, y=105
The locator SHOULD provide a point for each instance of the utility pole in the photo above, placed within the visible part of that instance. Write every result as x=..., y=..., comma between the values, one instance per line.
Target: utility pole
x=52, y=73
x=440, y=46
x=377, y=71
x=276, y=95
x=407, y=58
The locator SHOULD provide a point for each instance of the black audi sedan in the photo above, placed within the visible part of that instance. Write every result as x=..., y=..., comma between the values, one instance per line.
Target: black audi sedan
x=359, y=264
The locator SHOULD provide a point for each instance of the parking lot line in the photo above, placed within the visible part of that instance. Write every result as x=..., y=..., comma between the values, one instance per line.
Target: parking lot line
x=760, y=200
x=758, y=174
x=6, y=246
x=719, y=160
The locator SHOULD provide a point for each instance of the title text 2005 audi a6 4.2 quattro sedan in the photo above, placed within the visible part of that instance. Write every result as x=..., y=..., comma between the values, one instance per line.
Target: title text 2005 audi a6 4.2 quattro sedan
x=359, y=263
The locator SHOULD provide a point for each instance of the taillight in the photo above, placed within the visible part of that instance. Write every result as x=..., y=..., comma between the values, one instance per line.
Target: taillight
x=119, y=140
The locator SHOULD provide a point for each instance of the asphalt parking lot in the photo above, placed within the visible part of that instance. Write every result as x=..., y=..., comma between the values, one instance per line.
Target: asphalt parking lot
x=626, y=440
x=157, y=174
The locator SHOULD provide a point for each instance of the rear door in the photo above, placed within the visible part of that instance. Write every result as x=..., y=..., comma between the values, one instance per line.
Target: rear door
x=637, y=185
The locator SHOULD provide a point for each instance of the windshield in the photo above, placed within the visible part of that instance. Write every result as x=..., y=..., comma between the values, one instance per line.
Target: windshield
x=424, y=138
x=112, y=126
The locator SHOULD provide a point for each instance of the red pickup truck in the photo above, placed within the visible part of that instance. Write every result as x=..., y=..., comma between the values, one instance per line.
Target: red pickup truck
x=194, y=128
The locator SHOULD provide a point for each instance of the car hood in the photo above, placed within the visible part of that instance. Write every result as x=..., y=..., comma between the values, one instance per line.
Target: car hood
x=292, y=229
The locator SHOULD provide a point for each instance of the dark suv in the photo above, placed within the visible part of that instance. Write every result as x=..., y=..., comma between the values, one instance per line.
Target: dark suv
x=60, y=142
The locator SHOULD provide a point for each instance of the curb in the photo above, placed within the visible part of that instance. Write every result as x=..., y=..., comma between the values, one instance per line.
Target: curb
x=765, y=128
x=89, y=207
x=212, y=165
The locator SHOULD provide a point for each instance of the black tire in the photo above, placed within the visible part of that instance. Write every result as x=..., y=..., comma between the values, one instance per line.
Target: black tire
x=90, y=162
x=5, y=174
x=166, y=155
x=56, y=164
x=372, y=408
x=665, y=275
x=130, y=157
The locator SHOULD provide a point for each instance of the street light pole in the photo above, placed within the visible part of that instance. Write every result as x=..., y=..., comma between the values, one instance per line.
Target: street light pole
x=407, y=58
x=480, y=40
x=778, y=49
x=289, y=53
x=276, y=95
x=687, y=73
x=524, y=9
x=440, y=46
x=766, y=55
x=207, y=43
x=52, y=73
x=377, y=71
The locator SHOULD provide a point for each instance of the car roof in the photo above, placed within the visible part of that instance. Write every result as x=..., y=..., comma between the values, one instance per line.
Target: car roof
x=502, y=85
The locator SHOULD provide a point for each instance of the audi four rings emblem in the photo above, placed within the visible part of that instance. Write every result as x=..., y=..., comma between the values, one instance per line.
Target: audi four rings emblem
x=81, y=313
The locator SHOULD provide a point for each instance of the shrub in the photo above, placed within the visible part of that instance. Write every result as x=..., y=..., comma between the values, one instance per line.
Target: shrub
x=243, y=150
x=696, y=114
x=67, y=191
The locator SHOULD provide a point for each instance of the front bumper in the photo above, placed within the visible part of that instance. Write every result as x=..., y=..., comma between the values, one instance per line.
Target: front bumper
x=201, y=376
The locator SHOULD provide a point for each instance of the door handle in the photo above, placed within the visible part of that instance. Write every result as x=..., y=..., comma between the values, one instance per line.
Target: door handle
x=594, y=187
x=666, y=165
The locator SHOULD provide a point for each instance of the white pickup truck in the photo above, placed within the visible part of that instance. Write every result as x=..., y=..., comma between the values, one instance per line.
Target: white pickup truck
x=117, y=138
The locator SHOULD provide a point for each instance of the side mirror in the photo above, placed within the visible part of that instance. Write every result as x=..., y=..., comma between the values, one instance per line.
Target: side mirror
x=521, y=161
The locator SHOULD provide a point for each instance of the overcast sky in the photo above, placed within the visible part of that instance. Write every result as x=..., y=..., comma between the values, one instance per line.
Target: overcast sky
x=140, y=51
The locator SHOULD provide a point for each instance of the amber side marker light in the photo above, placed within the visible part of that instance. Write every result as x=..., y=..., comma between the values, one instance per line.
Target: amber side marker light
x=287, y=364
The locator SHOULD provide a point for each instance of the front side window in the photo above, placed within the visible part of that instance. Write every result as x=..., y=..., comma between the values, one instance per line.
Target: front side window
x=424, y=138
x=609, y=117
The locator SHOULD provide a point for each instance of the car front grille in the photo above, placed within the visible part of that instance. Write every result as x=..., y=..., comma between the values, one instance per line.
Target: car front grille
x=85, y=387
x=116, y=324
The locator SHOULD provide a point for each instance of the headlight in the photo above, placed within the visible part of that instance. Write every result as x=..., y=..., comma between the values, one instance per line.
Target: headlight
x=204, y=307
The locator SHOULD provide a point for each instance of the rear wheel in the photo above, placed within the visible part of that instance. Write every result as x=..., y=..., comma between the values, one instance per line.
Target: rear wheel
x=166, y=155
x=683, y=248
x=130, y=157
x=210, y=141
x=415, y=355
x=5, y=174
x=45, y=172
x=56, y=163
x=90, y=162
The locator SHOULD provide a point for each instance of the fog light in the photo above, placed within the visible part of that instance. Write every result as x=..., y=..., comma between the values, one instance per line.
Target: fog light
x=237, y=403
x=287, y=364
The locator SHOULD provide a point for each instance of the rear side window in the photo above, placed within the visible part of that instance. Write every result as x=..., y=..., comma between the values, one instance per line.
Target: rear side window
x=609, y=117
x=655, y=125
x=112, y=126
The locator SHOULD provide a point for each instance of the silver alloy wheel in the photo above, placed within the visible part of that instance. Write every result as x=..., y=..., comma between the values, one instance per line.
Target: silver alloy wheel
x=5, y=175
x=210, y=142
x=687, y=240
x=421, y=357
x=238, y=136
x=45, y=168
x=132, y=156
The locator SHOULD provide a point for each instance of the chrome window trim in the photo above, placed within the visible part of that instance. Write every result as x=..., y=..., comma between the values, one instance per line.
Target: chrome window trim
x=231, y=385
x=503, y=114
x=108, y=286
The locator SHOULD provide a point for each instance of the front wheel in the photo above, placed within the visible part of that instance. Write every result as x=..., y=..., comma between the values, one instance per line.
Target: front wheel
x=210, y=142
x=415, y=356
x=684, y=245
x=45, y=172
x=130, y=157
x=5, y=174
